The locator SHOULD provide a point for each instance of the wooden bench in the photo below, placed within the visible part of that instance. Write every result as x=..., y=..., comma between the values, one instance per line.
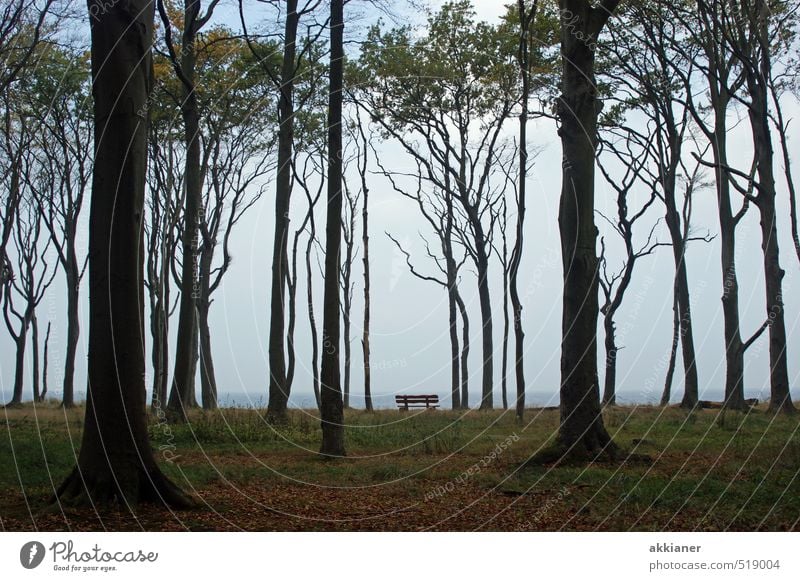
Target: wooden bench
x=404, y=402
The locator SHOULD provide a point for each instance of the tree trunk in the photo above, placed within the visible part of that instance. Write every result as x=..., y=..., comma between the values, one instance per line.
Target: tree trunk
x=581, y=429
x=734, y=349
x=19, y=365
x=278, y=392
x=35, y=348
x=331, y=409
x=516, y=254
x=681, y=282
x=73, y=329
x=182, y=397
x=208, y=379
x=43, y=395
x=780, y=398
x=504, y=374
x=487, y=380
x=116, y=462
x=610, y=390
x=365, y=336
x=464, y=350
x=673, y=352
x=311, y=318
x=455, y=386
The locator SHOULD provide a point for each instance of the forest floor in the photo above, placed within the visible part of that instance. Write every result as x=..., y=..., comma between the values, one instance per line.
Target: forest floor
x=426, y=470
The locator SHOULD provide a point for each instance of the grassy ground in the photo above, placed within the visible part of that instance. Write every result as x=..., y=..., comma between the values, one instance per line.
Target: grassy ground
x=427, y=470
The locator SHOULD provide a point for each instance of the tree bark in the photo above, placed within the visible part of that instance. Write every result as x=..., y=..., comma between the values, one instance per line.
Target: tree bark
x=19, y=365
x=758, y=111
x=464, y=350
x=610, y=390
x=208, y=379
x=35, y=348
x=73, y=327
x=332, y=408
x=673, y=351
x=526, y=18
x=278, y=393
x=581, y=430
x=116, y=462
x=43, y=395
x=182, y=397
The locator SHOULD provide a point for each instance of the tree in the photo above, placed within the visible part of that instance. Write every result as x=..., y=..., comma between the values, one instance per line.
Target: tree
x=701, y=43
x=346, y=274
x=116, y=462
x=183, y=59
x=331, y=404
x=750, y=30
x=581, y=431
x=57, y=96
x=445, y=99
x=34, y=275
x=614, y=284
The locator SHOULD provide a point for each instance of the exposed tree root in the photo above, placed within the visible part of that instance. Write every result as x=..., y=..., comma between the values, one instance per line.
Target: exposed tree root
x=101, y=490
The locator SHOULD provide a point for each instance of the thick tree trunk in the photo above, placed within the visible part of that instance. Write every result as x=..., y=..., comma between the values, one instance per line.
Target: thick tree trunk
x=780, y=398
x=581, y=430
x=278, y=392
x=116, y=462
x=73, y=330
x=331, y=408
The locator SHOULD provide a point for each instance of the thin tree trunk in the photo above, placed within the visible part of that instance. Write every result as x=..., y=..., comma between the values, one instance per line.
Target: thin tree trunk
x=116, y=462
x=311, y=318
x=526, y=18
x=207, y=377
x=35, y=348
x=365, y=244
x=504, y=374
x=610, y=390
x=331, y=409
x=44, y=363
x=278, y=392
x=73, y=330
x=485, y=300
x=182, y=397
x=673, y=352
x=464, y=350
x=734, y=348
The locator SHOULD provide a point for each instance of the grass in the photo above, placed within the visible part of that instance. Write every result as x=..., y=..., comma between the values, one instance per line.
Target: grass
x=428, y=470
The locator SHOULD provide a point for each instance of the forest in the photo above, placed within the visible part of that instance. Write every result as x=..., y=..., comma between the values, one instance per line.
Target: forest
x=433, y=247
